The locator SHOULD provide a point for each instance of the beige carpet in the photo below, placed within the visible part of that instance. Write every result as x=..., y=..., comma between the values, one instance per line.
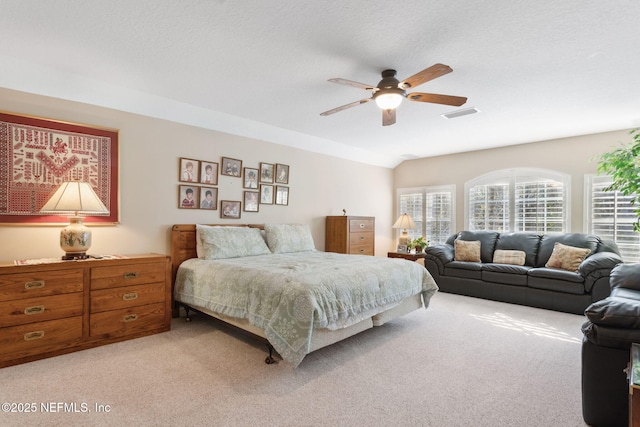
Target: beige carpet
x=462, y=362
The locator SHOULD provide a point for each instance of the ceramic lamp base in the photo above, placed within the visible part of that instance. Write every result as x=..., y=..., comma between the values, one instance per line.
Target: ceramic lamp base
x=75, y=239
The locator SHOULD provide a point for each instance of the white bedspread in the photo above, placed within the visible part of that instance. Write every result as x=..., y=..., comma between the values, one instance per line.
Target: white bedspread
x=288, y=295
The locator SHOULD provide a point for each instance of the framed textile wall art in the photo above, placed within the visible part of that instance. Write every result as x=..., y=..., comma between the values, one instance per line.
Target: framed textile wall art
x=38, y=154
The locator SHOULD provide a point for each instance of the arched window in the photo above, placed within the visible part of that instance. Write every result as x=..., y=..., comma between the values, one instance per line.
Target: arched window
x=522, y=199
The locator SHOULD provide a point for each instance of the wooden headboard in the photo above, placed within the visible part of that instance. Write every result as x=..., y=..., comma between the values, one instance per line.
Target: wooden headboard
x=183, y=243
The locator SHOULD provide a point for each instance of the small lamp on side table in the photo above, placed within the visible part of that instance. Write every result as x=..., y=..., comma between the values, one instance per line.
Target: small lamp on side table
x=404, y=222
x=75, y=197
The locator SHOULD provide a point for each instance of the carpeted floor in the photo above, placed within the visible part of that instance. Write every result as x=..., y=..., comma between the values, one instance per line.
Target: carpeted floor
x=462, y=362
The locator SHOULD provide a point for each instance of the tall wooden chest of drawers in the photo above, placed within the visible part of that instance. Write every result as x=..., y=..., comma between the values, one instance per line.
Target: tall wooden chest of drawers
x=60, y=307
x=350, y=234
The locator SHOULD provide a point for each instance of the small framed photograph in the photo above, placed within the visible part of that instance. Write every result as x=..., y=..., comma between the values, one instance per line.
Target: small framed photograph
x=251, y=203
x=230, y=209
x=266, y=194
x=189, y=169
x=403, y=249
x=282, y=195
x=231, y=167
x=250, y=178
x=209, y=173
x=282, y=174
x=209, y=198
x=266, y=172
x=188, y=196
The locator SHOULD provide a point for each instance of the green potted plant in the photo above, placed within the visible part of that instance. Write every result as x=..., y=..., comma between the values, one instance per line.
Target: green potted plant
x=623, y=165
x=419, y=244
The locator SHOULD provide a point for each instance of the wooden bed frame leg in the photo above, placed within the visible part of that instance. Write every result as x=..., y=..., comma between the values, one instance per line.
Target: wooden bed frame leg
x=186, y=310
x=270, y=360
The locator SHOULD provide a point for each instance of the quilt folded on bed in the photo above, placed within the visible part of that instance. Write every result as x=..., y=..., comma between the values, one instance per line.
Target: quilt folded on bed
x=288, y=295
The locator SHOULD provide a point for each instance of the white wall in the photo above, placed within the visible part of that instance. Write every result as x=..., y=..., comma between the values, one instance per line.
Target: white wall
x=575, y=156
x=150, y=149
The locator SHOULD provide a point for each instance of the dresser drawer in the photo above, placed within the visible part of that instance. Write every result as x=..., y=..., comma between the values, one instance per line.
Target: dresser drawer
x=40, y=337
x=365, y=238
x=127, y=275
x=356, y=225
x=29, y=310
x=361, y=250
x=127, y=321
x=28, y=285
x=127, y=296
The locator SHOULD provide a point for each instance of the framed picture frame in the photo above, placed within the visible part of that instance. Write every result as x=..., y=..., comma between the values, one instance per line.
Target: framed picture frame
x=189, y=170
x=231, y=167
x=251, y=201
x=250, y=179
x=230, y=209
x=38, y=154
x=266, y=172
x=282, y=173
x=282, y=195
x=208, y=173
x=208, y=198
x=266, y=194
x=188, y=196
x=403, y=249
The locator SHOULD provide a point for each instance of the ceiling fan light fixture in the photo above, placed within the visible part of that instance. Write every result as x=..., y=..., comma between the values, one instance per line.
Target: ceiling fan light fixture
x=388, y=100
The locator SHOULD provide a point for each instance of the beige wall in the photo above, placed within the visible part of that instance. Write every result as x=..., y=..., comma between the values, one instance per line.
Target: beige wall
x=572, y=156
x=150, y=149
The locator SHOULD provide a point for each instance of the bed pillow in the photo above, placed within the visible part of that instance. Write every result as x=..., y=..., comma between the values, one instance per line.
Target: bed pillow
x=231, y=242
x=567, y=257
x=466, y=250
x=286, y=238
x=502, y=256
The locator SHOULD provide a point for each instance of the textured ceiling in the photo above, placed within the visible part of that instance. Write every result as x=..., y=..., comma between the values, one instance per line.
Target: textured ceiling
x=536, y=70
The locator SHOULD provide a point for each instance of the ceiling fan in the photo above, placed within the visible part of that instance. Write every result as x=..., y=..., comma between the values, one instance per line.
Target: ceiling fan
x=389, y=92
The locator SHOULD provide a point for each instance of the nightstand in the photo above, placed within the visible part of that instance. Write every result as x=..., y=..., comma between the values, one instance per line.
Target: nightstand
x=47, y=309
x=406, y=255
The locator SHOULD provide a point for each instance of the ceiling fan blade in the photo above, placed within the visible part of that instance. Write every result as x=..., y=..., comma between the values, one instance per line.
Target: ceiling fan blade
x=425, y=75
x=352, y=83
x=388, y=117
x=344, y=107
x=437, y=99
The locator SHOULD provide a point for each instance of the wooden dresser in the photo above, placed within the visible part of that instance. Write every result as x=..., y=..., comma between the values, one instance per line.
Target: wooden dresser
x=61, y=307
x=350, y=234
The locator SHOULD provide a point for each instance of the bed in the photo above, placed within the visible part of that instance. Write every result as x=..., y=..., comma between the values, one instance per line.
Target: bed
x=270, y=281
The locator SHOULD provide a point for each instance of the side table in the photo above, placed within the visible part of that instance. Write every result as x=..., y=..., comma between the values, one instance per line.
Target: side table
x=406, y=255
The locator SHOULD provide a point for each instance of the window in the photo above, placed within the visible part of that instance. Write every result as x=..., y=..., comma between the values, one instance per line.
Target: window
x=610, y=215
x=518, y=200
x=432, y=209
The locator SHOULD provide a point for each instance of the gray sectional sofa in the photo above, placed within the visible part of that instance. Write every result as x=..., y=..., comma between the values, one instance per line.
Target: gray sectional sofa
x=533, y=283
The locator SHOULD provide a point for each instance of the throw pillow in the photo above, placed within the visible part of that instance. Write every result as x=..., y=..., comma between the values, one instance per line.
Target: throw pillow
x=467, y=250
x=567, y=257
x=501, y=256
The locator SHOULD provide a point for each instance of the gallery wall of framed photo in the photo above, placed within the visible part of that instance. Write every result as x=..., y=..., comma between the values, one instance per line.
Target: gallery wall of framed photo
x=262, y=184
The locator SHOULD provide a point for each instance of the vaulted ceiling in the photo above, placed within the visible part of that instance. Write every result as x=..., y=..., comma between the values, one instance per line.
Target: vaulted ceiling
x=535, y=70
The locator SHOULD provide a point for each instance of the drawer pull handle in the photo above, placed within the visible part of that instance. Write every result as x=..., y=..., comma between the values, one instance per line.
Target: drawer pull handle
x=30, y=336
x=361, y=237
x=36, y=284
x=130, y=297
x=130, y=318
x=362, y=225
x=36, y=309
x=361, y=251
x=131, y=275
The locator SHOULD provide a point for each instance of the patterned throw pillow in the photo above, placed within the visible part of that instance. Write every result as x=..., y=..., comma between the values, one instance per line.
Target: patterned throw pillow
x=567, y=257
x=286, y=238
x=231, y=242
x=501, y=256
x=467, y=250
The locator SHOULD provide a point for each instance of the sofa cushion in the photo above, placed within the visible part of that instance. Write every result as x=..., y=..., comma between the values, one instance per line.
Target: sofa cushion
x=521, y=241
x=616, y=312
x=576, y=240
x=608, y=336
x=467, y=270
x=467, y=250
x=625, y=276
x=487, y=242
x=556, y=280
x=567, y=257
x=501, y=256
x=505, y=273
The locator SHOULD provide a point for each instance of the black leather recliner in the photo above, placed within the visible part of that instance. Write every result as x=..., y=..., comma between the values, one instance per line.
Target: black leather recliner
x=613, y=325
